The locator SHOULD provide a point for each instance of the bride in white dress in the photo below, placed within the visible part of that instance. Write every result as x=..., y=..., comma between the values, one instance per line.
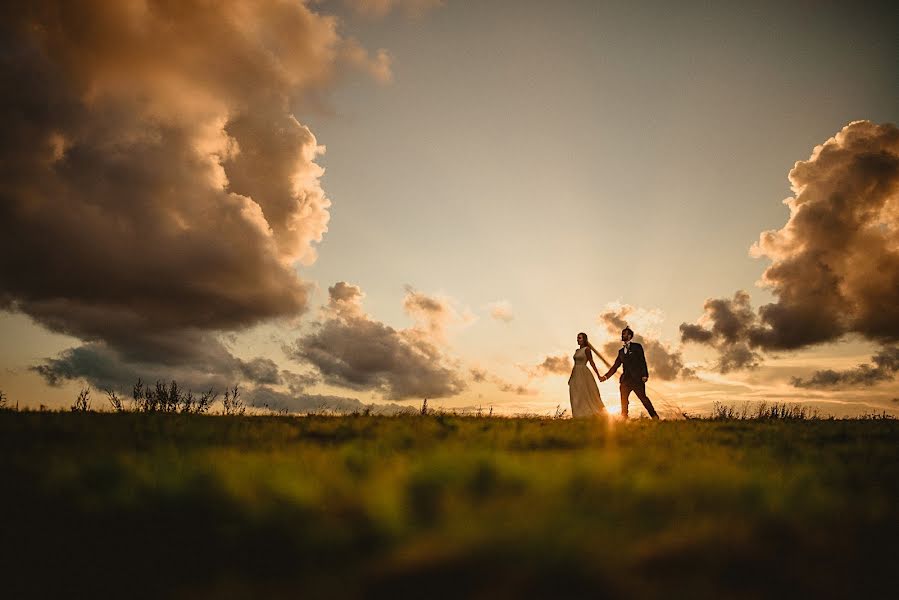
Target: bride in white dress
x=582, y=389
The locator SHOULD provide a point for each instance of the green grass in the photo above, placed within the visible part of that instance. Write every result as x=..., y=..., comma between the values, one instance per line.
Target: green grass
x=198, y=506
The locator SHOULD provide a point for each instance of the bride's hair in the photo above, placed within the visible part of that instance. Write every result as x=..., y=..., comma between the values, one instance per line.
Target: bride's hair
x=588, y=344
x=586, y=339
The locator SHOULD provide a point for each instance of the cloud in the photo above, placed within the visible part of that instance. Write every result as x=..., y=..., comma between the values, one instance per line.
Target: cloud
x=726, y=326
x=345, y=299
x=554, y=365
x=518, y=389
x=501, y=311
x=260, y=370
x=835, y=263
x=298, y=382
x=886, y=365
x=295, y=402
x=352, y=350
x=104, y=367
x=432, y=314
x=381, y=8
x=664, y=362
x=157, y=188
x=379, y=66
x=479, y=375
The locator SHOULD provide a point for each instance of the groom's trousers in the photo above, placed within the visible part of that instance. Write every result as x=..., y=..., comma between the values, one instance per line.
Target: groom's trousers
x=639, y=388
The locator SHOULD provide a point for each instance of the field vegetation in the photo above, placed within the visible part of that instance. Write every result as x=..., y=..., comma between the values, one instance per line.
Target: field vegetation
x=192, y=505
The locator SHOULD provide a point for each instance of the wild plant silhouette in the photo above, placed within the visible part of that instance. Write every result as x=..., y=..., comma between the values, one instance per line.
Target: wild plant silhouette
x=232, y=404
x=170, y=398
x=115, y=401
x=83, y=401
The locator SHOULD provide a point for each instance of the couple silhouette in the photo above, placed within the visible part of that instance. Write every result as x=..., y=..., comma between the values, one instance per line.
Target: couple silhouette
x=582, y=389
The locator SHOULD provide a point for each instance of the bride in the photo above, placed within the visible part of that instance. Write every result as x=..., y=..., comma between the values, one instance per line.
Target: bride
x=582, y=388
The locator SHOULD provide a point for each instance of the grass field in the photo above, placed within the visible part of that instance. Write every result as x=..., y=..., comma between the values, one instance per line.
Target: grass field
x=197, y=506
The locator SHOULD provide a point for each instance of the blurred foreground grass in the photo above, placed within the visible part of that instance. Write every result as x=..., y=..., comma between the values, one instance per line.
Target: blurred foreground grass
x=196, y=506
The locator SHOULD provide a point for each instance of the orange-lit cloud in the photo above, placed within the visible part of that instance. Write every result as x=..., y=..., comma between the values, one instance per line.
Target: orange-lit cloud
x=501, y=310
x=353, y=350
x=158, y=187
x=433, y=315
x=835, y=263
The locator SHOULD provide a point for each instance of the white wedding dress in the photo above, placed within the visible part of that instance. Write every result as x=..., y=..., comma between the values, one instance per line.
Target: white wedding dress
x=582, y=389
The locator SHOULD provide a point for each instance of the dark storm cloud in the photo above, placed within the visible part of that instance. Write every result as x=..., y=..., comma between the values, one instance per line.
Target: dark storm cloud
x=834, y=265
x=93, y=362
x=155, y=186
x=105, y=367
x=728, y=325
x=663, y=362
x=886, y=365
x=260, y=370
x=298, y=382
x=352, y=350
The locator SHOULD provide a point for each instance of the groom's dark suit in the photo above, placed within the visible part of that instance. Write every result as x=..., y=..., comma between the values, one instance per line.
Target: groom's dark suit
x=633, y=360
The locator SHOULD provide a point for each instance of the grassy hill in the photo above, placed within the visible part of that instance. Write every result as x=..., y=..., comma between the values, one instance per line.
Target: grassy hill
x=196, y=506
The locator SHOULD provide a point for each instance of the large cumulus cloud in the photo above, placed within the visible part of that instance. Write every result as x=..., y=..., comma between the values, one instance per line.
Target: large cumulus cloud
x=156, y=187
x=352, y=350
x=835, y=263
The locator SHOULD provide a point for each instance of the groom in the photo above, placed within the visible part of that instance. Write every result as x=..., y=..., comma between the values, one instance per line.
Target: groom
x=635, y=373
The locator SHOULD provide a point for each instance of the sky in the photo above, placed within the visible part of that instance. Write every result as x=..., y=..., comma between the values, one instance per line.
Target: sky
x=340, y=203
